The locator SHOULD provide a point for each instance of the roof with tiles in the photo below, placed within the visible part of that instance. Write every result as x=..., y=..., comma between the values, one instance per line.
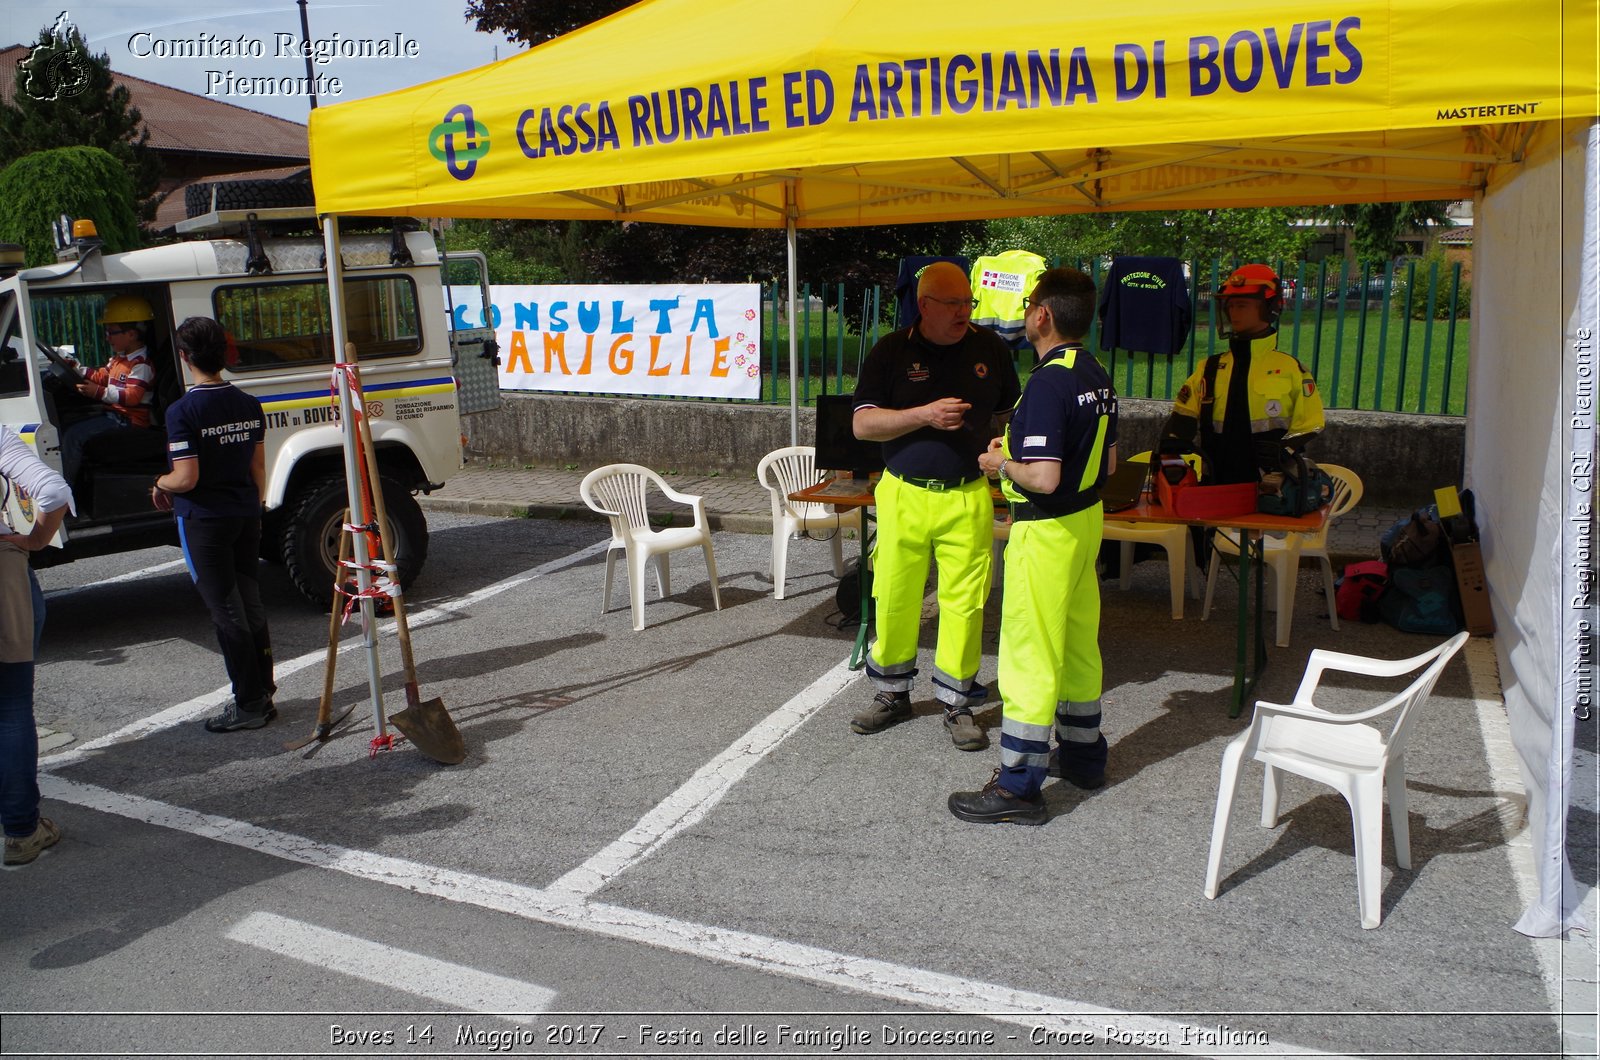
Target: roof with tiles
x=182, y=122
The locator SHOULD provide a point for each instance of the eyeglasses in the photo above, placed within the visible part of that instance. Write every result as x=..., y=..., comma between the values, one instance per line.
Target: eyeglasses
x=116, y=331
x=953, y=303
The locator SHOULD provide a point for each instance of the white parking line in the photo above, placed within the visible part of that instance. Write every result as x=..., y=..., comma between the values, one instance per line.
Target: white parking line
x=143, y=572
x=686, y=806
x=203, y=704
x=455, y=986
x=897, y=983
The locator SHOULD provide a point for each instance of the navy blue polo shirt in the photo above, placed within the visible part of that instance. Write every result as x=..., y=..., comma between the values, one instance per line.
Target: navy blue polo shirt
x=1058, y=418
x=905, y=370
x=219, y=425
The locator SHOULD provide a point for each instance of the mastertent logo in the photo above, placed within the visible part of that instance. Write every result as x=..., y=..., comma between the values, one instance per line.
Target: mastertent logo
x=459, y=142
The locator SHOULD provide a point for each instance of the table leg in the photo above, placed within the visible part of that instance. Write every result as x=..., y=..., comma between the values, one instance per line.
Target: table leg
x=858, y=655
x=1252, y=561
x=1236, y=702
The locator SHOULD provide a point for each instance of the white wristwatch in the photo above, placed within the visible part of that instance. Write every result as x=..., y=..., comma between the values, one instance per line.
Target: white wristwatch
x=1001, y=471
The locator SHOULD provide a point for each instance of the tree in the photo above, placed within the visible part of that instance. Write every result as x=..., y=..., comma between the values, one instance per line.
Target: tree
x=1266, y=234
x=1378, y=226
x=531, y=252
x=82, y=182
x=529, y=22
x=65, y=97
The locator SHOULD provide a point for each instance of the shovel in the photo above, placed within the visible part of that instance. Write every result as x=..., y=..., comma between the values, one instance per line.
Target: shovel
x=424, y=722
x=325, y=719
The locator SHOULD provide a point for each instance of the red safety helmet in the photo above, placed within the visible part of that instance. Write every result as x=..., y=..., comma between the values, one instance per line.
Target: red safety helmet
x=1258, y=280
x=1253, y=281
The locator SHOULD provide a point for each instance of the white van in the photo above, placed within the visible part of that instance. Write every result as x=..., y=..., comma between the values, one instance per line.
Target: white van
x=261, y=274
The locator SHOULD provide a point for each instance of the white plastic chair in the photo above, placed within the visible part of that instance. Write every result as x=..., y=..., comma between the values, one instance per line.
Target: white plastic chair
x=782, y=472
x=1283, y=555
x=1358, y=760
x=1175, y=539
x=617, y=491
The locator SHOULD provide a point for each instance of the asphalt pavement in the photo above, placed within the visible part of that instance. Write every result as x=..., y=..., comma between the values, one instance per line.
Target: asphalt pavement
x=669, y=842
x=741, y=504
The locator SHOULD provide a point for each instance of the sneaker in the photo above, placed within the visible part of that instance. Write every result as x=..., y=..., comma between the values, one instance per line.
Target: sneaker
x=994, y=805
x=22, y=849
x=235, y=717
x=964, y=730
x=1076, y=777
x=886, y=709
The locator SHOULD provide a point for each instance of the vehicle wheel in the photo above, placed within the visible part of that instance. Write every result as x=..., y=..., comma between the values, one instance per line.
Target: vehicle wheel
x=245, y=195
x=311, y=535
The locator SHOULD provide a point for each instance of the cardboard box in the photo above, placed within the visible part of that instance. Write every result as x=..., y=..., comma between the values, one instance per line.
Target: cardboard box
x=1473, y=587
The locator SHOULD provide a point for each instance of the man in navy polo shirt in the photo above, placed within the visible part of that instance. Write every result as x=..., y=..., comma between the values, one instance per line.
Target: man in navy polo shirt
x=1054, y=457
x=931, y=394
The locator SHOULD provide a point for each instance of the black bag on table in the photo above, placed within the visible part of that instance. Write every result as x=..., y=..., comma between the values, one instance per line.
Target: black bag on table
x=1300, y=487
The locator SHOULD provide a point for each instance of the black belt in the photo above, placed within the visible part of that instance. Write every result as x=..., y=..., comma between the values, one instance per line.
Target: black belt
x=936, y=485
x=1024, y=511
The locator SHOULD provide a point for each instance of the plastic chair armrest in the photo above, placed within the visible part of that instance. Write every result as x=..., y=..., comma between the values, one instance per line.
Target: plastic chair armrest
x=1322, y=659
x=1311, y=712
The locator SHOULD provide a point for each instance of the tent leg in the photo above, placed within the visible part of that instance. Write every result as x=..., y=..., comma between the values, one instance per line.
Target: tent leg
x=794, y=339
x=348, y=401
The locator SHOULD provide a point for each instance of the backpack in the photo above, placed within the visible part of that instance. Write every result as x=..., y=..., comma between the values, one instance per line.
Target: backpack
x=1416, y=541
x=1300, y=488
x=1357, y=592
x=1422, y=600
x=847, y=596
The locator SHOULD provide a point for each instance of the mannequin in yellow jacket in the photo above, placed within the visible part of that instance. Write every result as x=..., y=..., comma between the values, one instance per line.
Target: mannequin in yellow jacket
x=1279, y=396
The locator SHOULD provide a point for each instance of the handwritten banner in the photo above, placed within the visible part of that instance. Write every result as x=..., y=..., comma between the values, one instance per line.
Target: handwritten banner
x=662, y=340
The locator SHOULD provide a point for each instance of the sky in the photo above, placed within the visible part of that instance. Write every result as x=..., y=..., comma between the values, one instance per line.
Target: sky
x=140, y=39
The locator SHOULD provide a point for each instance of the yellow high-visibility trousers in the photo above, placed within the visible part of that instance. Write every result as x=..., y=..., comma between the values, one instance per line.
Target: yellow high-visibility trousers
x=1050, y=666
x=954, y=528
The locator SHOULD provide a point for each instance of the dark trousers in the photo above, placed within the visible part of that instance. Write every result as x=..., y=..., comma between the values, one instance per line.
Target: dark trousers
x=223, y=557
x=19, y=741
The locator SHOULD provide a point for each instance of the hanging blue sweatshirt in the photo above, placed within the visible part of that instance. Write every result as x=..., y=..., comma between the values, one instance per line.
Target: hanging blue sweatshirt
x=1144, y=306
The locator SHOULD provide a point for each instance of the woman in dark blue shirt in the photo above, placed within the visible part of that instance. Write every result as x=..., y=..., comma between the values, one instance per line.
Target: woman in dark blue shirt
x=216, y=445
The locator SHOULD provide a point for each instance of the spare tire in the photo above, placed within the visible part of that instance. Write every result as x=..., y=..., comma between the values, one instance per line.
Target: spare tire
x=210, y=195
x=309, y=538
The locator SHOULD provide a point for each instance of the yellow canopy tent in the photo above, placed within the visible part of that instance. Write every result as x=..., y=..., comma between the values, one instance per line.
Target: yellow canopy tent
x=763, y=113
x=753, y=113
x=757, y=113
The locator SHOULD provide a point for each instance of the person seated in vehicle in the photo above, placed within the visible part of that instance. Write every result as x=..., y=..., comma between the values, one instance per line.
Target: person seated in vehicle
x=125, y=386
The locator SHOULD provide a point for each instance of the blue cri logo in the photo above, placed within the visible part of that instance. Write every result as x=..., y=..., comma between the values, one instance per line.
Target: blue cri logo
x=459, y=142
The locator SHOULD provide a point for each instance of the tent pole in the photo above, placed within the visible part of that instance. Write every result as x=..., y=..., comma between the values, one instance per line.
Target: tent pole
x=352, y=467
x=794, y=339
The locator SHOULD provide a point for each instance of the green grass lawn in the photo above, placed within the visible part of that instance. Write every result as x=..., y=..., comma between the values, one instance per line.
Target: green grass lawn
x=1360, y=358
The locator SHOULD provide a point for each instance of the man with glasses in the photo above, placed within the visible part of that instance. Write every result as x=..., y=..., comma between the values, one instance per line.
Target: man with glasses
x=932, y=394
x=126, y=386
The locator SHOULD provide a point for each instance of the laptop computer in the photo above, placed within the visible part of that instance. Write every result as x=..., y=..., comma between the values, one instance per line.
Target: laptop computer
x=1123, y=486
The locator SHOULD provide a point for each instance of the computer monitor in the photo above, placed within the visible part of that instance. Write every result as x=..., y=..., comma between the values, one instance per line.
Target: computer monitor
x=838, y=448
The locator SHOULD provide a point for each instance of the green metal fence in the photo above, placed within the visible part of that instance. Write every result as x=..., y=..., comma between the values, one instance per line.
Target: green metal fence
x=1382, y=338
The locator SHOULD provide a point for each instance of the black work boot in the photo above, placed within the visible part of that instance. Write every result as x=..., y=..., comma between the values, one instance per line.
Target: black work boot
x=994, y=805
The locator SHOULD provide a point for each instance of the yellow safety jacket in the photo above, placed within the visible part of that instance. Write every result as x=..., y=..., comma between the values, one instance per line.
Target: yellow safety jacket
x=1000, y=282
x=1283, y=396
